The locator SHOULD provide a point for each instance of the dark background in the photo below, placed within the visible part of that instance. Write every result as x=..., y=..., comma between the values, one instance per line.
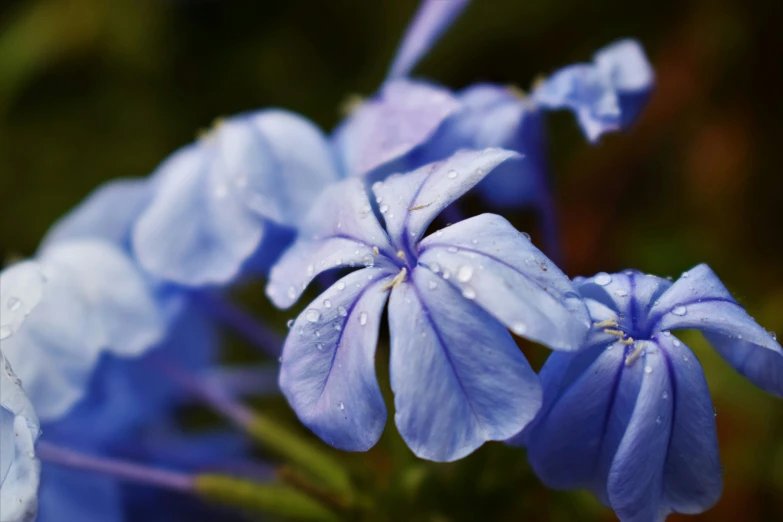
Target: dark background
x=92, y=90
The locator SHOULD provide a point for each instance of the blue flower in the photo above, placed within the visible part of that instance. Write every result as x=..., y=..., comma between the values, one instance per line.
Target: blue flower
x=630, y=416
x=231, y=199
x=458, y=377
x=19, y=467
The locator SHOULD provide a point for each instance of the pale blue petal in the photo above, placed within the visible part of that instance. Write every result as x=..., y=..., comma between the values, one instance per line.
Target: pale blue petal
x=403, y=116
x=409, y=202
x=328, y=365
x=196, y=231
x=108, y=213
x=71, y=495
x=636, y=477
x=340, y=230
x=631, y=74
x=19, y=467
x=276, y=161
x=698, y=300
x=431, y=21
x=458, y=378
x=489, y=261
x=21, y=289
x=692, y=476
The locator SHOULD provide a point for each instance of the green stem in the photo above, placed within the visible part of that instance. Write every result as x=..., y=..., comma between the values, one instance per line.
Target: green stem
x=273, y=499
x=302, y=453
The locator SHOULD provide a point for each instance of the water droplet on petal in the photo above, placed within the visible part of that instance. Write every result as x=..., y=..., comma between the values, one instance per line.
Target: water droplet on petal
x=603, y=279
x=310, y=270
x=14, y=304
x=658, y=419
x=292, y=292
x=340, y=285
x=379, y=199
x=676, y=342
x=368, y=260
x=621, y=293
x=685, y=358
x=312, y=315
x=453, y=249
x=452, y=174
x=665, y=395
x=685, y=274
x=446, y=274
x=464, y=273
x=432, y=285
x=341, y=405
x=327, y=303
x=667, y=333
x=468, y=293
x=319, y=347
x=527, y=236
x=648, y=369
x=342, y=311
x=338, y=326
x=290, y=323
x=363, y=318
x=366, y=208
x=384, y=209
x=5, y=332
x=435, y=267
x=679, y=310
x=519, y=328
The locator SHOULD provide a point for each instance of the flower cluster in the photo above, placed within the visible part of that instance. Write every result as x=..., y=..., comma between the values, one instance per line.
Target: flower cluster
x=114, y=322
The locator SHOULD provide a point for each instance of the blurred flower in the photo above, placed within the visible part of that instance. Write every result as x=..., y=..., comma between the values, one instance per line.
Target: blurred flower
x=248, y=181
x=19, y=467
x=458, y=377
x=630, y=416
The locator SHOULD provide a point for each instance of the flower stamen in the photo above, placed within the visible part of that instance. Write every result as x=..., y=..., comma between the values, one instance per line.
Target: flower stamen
x=398, y=279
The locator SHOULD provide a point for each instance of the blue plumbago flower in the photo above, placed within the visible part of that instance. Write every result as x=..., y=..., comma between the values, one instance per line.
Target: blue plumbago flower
x=458, y=377
x=19, y=467
x=629, y=416
x=215, y=201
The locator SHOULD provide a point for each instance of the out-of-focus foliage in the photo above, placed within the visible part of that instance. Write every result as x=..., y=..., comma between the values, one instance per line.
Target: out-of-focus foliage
x=92, y=90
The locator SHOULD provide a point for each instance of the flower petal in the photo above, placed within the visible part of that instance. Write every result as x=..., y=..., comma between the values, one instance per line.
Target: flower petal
x=108, y=213
x=692, y=476
x=21, y=289
x=635, y=483
x=276, y=162
x=566, y=442
x=409, y=202
x=195, y=231
x=431, y=21
x=699, y=300
x=404, y=115
x=458, y=378
x=631, y=73
x=340, y=230
x=68, y=494
x=328, y=365
x=489, y=261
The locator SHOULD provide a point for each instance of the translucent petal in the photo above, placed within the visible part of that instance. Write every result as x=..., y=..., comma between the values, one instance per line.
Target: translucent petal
x=458, y=378
x=328, y=365
x=498, y=267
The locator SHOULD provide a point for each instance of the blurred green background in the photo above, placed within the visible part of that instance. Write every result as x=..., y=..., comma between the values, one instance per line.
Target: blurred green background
x=92, y=90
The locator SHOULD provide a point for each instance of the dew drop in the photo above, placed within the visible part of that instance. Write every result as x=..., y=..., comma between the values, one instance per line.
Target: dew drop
x=341, y=405
x=338, y=326
x=5, y=332
x=685, y=275
x=620, y=293
x=667, y=333
x=327, y=303
x=384, y=209
x=312, y=315
x=679, y=310
x=665, y=395
x=468, y=293
x=290, y=323
x=603, y=279
x=319, y=347
x=14, y=304
x=685, y=358
x=464, y=273
x=379, y=199
x=446, y=274
x=340, y=285
x=432, y=285
x=453, y=249
x=715, y=412
x=366, y=208
x=648, y=370
x=342, y=311
x=452, y=174
x=676, y=342
x=318, y=333
x=474, y=241
x=435, y=267
x=338, y=261
x=658, y=419
x=310, y=270
x=519, y=328
x=368, y=260
x=527, y=236
x=292, y=292
x=363, y=318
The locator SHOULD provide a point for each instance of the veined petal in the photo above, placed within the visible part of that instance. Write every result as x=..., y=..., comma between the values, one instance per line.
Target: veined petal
x=108, y=213
x=340, y=230
x=328, y=366
x=458, y=378
x=566, y=441
x=635, y=484
x=699, y=300
x=492, y=263
x=195, y=230
x=692, y=475
x=431, y=21
x=409, y=202
x=276, y=162
x=404, y=115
